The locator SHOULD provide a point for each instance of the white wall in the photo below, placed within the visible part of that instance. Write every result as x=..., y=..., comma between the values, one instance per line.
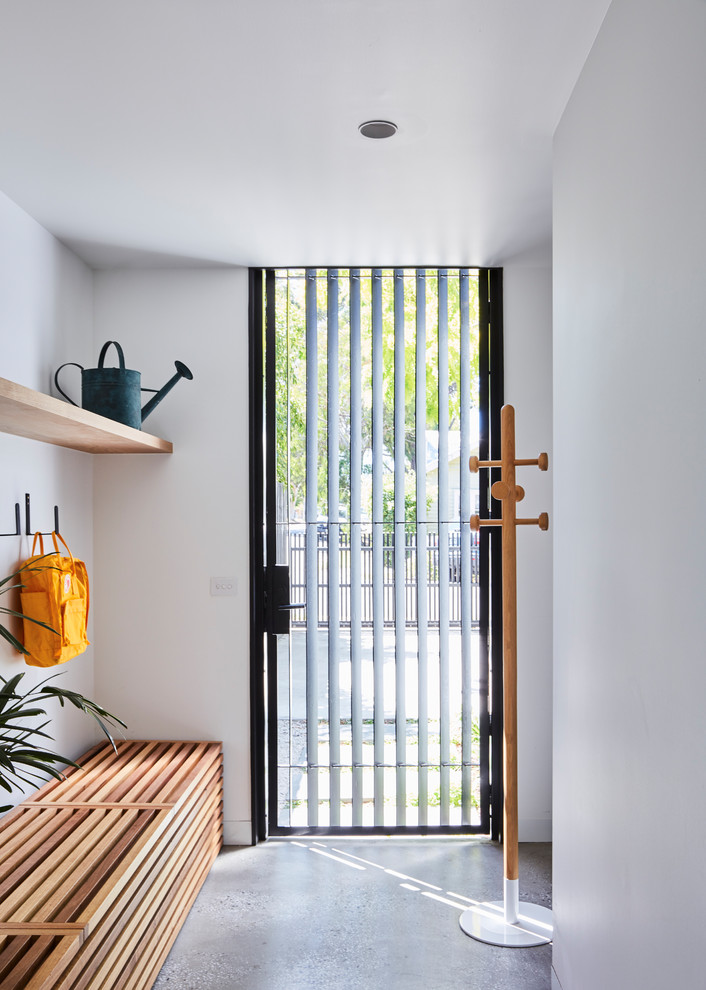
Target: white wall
x=170, y=659
x=46, y=310
x=528, y=387
x=630, y=477
x=174, y=661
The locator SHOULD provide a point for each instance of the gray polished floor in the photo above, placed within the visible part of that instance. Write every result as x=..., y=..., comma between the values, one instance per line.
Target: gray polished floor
x=355, y=914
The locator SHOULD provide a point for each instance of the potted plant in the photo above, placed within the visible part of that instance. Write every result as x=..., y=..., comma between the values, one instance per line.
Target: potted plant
x=24, y=758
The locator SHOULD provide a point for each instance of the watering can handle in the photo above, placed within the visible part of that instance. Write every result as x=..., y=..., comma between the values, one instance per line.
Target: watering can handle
x=106, y=345
x=56, y=379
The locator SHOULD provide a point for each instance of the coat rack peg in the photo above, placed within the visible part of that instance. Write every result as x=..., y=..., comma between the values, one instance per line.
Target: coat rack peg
x=477, y=522
x=542, y=521
x=475, y=465
x=18, y=527
x=28, y=522
x=542, y=462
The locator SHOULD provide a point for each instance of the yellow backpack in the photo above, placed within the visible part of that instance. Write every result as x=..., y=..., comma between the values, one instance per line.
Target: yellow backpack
x=55, y=593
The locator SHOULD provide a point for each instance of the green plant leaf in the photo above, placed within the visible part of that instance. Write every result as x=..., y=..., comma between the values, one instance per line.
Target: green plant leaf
x=29, y=618
x=21, y=713
x=20, y=733
x=13, y=587
x=29, y=565
x=23, y=762
x=39, y=758
x=100, y=714
x=7, y=693
x=13, y=641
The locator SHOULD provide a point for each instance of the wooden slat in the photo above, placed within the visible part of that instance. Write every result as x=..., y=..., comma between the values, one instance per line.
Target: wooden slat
x=85, y=897
x=83, y=975
x=162, y=928
x=72, y=776
x=88, y=912
x=12, y=949
x=151, y=955
x=111, y=857
x=133, y=859
x=122, y=911
x=169, y=778
x=160, y=778
x=102, y=758
x=131, y=786
x=192, y=767
x=26, y=955
x=161, y=891
x=26, y=834
x=53, y=954
x=93, y=805
x=166, y=772
x=97, y=780
x=41, y=928
x=93, y=889
x=24, y=892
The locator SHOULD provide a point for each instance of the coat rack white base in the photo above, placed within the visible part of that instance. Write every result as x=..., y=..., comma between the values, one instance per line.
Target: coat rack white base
x=510, y=923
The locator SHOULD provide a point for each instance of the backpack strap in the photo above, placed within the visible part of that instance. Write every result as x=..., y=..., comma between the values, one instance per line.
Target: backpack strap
x=38, y=536
x=56, y=536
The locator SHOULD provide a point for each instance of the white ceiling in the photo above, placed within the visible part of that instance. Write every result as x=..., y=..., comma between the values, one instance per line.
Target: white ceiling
x=226, y=131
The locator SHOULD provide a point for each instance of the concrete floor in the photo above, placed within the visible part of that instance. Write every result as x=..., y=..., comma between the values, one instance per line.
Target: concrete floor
x=355, y=914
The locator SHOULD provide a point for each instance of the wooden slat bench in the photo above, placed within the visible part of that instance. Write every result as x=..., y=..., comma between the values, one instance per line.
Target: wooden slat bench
x=98, y=871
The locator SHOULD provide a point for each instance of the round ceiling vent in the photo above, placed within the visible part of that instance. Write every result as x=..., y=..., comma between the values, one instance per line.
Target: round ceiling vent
x=378, y=129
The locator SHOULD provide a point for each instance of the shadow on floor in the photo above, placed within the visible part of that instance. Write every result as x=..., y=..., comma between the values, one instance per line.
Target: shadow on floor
x=355, y=914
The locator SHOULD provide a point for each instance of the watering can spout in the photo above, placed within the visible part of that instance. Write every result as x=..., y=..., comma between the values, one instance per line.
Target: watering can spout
x=181, y=372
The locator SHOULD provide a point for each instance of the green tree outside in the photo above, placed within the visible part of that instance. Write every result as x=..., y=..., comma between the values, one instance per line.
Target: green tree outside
x=291, y=386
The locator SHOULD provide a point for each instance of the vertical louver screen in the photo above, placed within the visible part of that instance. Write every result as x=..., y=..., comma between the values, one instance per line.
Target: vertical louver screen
x=382, y=682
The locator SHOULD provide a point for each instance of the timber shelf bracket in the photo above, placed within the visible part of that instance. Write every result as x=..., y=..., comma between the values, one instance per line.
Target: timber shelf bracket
x=509, y=922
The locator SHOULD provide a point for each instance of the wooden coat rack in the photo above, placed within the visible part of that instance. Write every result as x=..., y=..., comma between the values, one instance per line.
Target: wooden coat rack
x=508, y=922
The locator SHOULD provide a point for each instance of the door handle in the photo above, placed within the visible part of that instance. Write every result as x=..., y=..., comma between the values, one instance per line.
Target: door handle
x=277, y=605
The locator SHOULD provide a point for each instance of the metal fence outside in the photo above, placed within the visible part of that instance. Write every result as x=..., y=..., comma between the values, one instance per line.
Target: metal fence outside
x=297, y=570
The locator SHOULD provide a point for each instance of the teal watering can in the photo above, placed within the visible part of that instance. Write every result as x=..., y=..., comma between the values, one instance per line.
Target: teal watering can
x=116, y=392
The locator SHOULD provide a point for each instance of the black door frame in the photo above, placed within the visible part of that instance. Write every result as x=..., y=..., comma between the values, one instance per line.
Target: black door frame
x=491, y=400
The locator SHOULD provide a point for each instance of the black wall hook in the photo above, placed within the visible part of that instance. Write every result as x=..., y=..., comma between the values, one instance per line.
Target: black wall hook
x=28, y=520
x=18, y=528
x=28, y=523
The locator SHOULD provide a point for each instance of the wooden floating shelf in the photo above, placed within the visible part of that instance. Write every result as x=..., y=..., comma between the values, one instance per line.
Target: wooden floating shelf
x=26, y=413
